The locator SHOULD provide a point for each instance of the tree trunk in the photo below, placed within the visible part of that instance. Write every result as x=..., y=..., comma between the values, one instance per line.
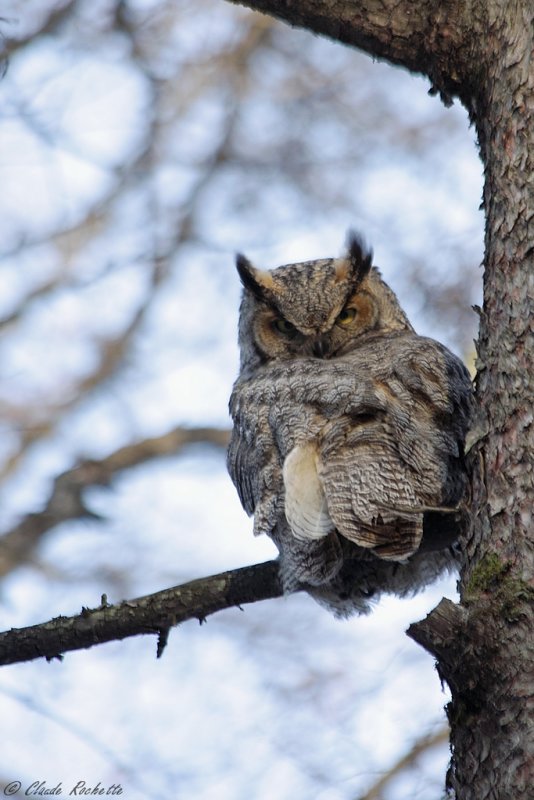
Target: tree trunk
x=481, y=52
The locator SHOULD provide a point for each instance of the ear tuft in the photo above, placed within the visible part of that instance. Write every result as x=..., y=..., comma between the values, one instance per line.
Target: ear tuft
x=247, y=274
x=257, y=281
x=359, y=256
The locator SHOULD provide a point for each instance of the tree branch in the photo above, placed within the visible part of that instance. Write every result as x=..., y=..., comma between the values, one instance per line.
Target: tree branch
x=66, y=499
x=48, y=25
x=440, y=629
x=422, y=37
x=406, y=761
x=154, y=613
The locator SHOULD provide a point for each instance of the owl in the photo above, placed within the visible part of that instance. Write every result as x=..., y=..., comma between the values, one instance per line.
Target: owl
x=348, y=431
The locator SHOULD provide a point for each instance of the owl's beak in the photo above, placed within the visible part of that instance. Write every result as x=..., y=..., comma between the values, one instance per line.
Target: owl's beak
x=321, y=347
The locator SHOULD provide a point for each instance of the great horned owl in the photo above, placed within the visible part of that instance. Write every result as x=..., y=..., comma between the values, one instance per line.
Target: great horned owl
x=348, y=431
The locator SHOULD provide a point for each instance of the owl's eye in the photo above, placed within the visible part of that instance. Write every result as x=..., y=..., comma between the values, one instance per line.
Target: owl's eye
x=346, y=316
x=283, y=326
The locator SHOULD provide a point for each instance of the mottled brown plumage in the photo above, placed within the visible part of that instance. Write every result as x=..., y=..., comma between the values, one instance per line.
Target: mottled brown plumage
x=348, y=431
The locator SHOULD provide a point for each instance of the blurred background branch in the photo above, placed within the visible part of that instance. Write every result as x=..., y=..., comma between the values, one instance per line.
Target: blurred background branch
x=419, y=748
x=66, y=500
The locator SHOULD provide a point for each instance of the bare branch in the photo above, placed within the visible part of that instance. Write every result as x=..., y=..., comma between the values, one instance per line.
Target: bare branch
x=36, y=293
x=49, y=25
x=169, y=444
x=111, y=356
x=424, y=38
x=419, y=747
x=66, y=500
x=38, y=424
x=440, y=628
x=155, y=614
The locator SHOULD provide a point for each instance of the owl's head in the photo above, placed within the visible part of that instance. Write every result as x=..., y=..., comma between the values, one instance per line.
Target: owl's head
x=322, y=308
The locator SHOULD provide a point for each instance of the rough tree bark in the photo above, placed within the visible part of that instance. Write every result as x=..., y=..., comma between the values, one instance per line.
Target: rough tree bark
x=482, y=53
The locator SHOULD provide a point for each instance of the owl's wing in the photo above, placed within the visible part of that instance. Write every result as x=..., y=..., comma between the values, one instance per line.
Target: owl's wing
x=381, y=471
x=370, y=490
x=254, y=464
x=237, y=459
x=438, y=392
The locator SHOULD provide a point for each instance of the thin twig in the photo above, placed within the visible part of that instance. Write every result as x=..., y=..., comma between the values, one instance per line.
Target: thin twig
x=419, y=747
